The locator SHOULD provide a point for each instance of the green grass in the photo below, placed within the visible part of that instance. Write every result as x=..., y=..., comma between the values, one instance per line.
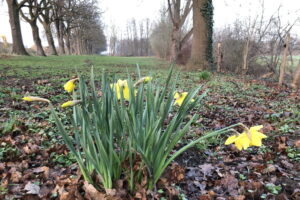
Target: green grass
x=34, y=66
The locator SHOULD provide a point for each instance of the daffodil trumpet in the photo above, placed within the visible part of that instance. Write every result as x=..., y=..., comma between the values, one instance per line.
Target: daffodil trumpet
x=121, y=87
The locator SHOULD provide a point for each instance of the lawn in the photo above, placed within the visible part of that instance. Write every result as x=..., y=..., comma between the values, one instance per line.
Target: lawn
x=36, y=164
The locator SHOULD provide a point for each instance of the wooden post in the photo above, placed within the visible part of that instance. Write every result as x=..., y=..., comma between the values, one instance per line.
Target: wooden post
x=296, y=79
x=219, y=54
x=245, y=56
x=283, y=60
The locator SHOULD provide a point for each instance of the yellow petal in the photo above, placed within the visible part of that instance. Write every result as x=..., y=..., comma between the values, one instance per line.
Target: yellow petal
x=122, y=83
x=256, y=139
x=126, y=93
x=230, y=140
x=177, y=95
x=243, y=140
x=256, y=128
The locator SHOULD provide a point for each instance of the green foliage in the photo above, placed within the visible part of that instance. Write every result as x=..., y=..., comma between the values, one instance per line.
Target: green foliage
x=3, y=190
x=8, y=152
x=293, y=153
x=9, y=125
x=274, y=189
x=62, y=159
x=205, y=75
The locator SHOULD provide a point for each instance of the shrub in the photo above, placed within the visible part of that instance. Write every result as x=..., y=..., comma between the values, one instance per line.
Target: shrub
x=205, y=75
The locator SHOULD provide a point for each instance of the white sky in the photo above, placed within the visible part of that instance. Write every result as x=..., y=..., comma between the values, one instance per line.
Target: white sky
x=119, y=12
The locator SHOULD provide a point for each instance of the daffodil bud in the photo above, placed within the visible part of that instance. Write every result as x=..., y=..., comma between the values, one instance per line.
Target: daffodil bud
x=70, y=103
x=32, y=98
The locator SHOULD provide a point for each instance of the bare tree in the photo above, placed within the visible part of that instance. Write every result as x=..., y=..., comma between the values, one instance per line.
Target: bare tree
x=46, y=19
x=160, y=38
x=14, y=20
x=178, y=17
x=34, y=8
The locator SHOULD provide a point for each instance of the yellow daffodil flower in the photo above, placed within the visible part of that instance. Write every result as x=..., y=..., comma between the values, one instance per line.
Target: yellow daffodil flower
x=70, y=85
x=122, y=86
x=180, y=98
x=251, y=137
x=147, y=79
x=70, y=103
x=31, y=98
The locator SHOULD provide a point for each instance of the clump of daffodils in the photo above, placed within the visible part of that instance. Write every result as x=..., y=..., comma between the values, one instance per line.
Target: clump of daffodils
x=250, y=137
x=179, y=98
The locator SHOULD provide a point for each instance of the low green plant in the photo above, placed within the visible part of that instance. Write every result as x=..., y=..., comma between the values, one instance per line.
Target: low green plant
x=274, y=189
x=62, y=159
x=205, y=75
x=8, y=151
x=293, y=153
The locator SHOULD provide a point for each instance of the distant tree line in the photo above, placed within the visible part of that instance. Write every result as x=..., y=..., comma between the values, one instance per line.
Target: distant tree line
x=134, y=41
x=75, y=24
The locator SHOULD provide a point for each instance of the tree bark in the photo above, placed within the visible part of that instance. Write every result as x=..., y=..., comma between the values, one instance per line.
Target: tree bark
x=175, y=45
x=283, y=61
x=50, y=39
x=219, y=54
x=296, y=79
x=178, y=18
x=68, y=45
x=59, y=35
x=245, y=57
x=37, y=39
x=200, y=37
x=14, y=20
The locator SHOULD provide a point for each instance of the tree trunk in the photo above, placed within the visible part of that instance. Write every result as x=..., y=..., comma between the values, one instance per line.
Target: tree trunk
x=37, y=39
x=219, y=54
x=245, y=57
x=283, y=61
x=14, y=20
x=296, y=80
x=202, y=35
x=60, y=38
x=68, y=45
x=175, y=45
x=50, y=38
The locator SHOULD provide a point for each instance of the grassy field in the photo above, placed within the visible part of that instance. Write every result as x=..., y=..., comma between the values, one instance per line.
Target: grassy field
x=29, y=138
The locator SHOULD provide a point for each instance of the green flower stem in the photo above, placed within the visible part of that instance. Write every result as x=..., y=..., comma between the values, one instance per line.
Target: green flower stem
x=191, y=144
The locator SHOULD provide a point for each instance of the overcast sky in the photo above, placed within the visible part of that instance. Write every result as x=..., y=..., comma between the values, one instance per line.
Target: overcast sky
x=119, y=12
